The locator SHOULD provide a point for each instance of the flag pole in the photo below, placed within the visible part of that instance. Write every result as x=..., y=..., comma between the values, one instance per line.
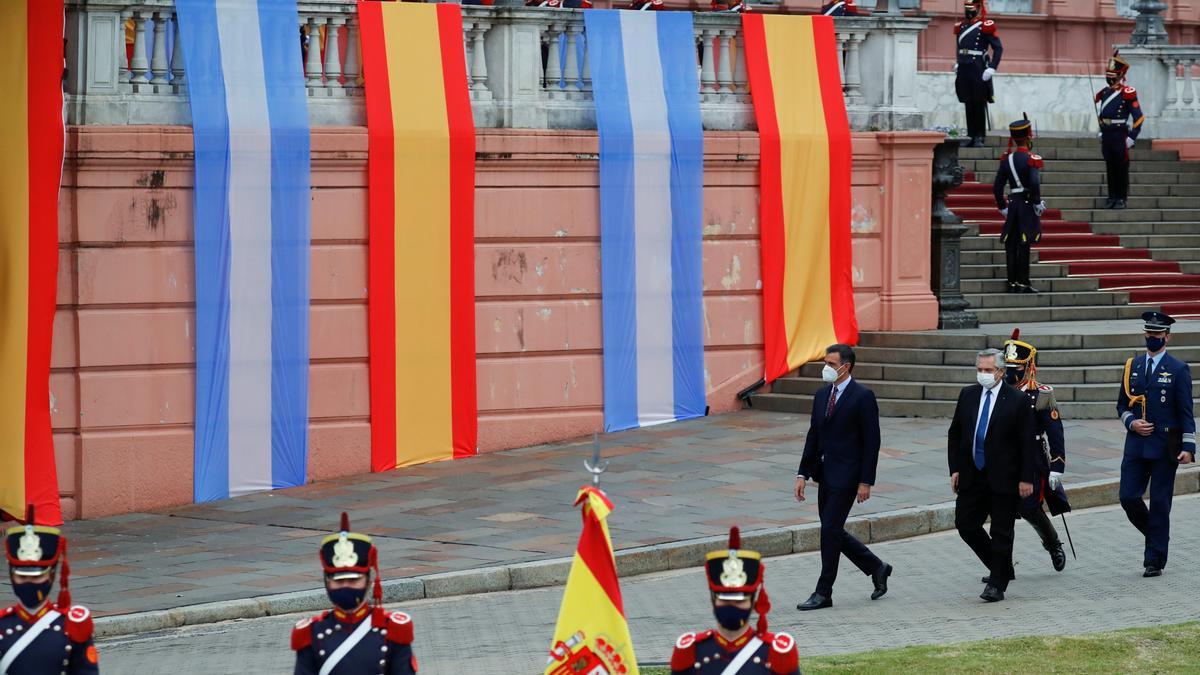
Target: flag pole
x=595, y=466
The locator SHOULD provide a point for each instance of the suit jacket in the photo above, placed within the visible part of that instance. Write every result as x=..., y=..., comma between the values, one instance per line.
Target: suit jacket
x=1009, y=448
x=843, y=450
x=1168, y=404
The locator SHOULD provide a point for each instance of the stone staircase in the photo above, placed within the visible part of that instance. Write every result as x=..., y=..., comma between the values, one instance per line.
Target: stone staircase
x=1098, y=270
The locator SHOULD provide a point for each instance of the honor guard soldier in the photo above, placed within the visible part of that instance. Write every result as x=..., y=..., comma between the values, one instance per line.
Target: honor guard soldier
x=1116, y=104
x=36, y=635
x=1020, y=360
x=646, y=5
x=557, y=4
x=1020, y=170
x=735, y=584
x=354, y=637
x=840, y=8
x=976, y=35
x=730, y=6
x=1155, y=405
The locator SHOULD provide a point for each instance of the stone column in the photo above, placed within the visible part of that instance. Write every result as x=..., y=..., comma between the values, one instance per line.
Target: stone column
x=946, y=241
x=1148, y=28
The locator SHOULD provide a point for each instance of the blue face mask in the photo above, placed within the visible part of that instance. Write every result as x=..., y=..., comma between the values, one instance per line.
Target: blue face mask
x=347, y=599
x=33, y=595
x=730, y=617
x=1154, y=344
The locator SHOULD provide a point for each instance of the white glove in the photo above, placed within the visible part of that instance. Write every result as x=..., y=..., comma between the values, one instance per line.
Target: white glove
x=1129, y=142
x=1100, y=135
x=988, y=73
x=1055, y=479
x=1004, y=212
x=955, y=69
x=1039, y=208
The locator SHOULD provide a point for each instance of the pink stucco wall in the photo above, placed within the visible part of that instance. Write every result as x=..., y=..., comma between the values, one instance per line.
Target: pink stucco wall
x=1069, y=37
x=122, y=380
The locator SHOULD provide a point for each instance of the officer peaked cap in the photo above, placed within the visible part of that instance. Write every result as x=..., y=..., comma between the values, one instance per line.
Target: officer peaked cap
x=1157, y=322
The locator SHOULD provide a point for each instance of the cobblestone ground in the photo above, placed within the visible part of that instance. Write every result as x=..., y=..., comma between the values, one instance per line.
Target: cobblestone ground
x=933, y=599
x=682, y=481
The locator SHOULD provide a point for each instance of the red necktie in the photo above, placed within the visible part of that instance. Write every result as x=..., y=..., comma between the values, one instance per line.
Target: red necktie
x=832, y=400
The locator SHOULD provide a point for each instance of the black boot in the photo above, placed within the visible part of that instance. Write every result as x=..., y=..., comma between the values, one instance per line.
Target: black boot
x=1049, y=536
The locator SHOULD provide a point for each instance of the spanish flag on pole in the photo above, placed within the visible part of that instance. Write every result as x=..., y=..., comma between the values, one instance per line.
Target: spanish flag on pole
x=805, y=154
x=421, y=140
x=592, y=636
x=31, y=133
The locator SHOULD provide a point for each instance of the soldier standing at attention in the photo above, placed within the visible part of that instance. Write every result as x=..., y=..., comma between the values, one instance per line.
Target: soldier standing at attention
x=1155, y=405
x=840, y=8
x=1020, y=171
x=1020, y=360
x=36, y=635
x=976, y=34
x=1117, y=103
x=355, y=637
x=735, y=584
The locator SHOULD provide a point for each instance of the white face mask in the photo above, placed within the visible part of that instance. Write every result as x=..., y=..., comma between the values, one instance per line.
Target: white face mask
x=829, y=373
x=986, y=380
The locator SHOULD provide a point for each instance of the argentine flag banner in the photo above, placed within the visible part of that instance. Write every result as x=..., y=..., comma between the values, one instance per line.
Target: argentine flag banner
x=647, y=98
x=252, y=232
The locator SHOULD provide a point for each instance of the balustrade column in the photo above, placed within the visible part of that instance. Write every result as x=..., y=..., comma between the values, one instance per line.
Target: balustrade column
x=333, y=54
x=708, y=73
x=552, y=82
x=741, y=79
x=159, y=65
x=571, y=70
x=853, y=77
x=1190, y=86
x=139, y=65
x=178, y=76
x=1174, y=85
x=587, y=66
x=725, y=67
x=351, y=69
x=312, y=59
x=479, y=71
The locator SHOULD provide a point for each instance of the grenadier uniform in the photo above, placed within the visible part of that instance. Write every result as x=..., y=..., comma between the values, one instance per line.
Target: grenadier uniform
x=1020, y=171
x=38, y=636
x=840, y=8
x=1156, y=388
x=735, y=575
x=564, y=4
x=730, y=6
x=355, y=637
x=1116, y=104
x=646, y=5
x=975, y=35
x=1021, y=371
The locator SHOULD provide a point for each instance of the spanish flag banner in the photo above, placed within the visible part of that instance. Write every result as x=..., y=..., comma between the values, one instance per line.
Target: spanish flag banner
x=592, y=635
x=805, y=154
x=31, y=133
x=422, y=226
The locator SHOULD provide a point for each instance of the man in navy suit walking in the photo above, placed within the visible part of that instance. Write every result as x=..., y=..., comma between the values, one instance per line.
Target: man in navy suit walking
x=840, y=454
x=1155, y=405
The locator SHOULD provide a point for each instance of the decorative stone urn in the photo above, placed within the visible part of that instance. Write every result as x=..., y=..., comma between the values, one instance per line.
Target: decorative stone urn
x=1148, y=28
x=946, y=239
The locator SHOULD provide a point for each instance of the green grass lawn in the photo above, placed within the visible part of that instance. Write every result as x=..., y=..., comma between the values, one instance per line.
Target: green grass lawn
x=1166, y=649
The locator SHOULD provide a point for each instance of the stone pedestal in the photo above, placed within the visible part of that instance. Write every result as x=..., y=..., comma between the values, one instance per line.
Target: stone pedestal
x=1148, y=28
x=946, y=241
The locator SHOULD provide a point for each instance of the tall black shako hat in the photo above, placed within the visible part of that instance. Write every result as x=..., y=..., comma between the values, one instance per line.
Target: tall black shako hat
x=350, y=555
x=737, y=574
x=1156, y=322
x=1018, y=352
x=33, y=550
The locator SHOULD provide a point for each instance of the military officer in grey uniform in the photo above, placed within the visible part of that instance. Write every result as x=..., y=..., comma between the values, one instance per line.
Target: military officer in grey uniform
x=1155, y=405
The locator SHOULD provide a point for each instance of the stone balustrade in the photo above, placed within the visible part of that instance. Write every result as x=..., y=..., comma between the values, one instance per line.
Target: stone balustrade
x=527, y=67
x=1168, y=84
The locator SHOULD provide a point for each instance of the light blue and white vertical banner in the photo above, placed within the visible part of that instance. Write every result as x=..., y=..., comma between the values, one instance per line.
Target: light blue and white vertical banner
x=252, y=232
x=647, y=96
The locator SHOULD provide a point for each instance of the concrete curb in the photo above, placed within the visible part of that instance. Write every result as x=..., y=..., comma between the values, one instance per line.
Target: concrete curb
x=806, y=538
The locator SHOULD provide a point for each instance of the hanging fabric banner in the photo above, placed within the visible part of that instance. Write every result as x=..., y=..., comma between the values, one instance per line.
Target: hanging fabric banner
x=422, y=228
x=805, y=154
x=647, y=97
x=31, y=133
x=252, y=232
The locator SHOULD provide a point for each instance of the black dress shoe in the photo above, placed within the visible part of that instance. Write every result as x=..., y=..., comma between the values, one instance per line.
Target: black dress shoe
x=992, y=594
x=1012, y=576
x=1108, y=203
x=880, y=578
x=815, y=601
x=978, y=142
x=1013, y=288
x=1119, y=204
x=1026, y=288
x=1152, y=571
x=1057, y=557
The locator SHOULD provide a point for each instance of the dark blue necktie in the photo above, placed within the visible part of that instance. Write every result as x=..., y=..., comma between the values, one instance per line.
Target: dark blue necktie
x=981, y=429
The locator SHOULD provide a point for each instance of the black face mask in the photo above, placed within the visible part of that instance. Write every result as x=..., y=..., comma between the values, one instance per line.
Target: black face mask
x=1112, y=81
x=33, y=595
x=347, y=599
x=1153, y=344
x=730, y=617
x=1014, y=375
x=971, y=14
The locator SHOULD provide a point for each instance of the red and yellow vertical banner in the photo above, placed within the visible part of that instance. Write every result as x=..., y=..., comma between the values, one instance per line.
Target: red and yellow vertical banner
x=31, y=133
x=804, y=140
x=422, y=229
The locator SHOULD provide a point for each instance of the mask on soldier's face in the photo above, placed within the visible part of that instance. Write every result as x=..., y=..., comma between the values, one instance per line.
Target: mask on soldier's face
x=1111, y=80
x=971, y=13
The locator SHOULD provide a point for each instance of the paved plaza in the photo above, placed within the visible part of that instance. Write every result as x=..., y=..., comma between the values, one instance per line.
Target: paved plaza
x=933, y=599
x=679, y=482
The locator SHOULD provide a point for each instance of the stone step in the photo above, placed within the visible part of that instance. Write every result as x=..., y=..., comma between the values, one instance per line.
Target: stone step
x=1095, y=268
x=1179, y=254
x=1064, y=285
x=1050, y=154
x=1157, y=242
x=994, y=271
x=1092, y=189
x=1094, y=163
x=1047, y=358
x=996, y=256
x=890, y=407
x=1004, y=300
x=1188, y=245
x=993, y=336
x=1057, y=375
x=1191, y=215
x=956, y=201
x=992, y=229
x=1140, y=228
x=1105, y=393
x=1018, y=315
x=1136, y=178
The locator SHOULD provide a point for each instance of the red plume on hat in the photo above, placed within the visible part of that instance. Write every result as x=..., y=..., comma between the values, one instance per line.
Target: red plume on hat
x=1016, y=335
x=735, y=538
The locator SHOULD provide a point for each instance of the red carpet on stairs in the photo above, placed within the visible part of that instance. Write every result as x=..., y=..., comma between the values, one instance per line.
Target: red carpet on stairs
x=1154, y=283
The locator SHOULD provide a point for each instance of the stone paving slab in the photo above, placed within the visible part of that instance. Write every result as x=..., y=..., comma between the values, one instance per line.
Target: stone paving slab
x=671, y=484
x=933, y=599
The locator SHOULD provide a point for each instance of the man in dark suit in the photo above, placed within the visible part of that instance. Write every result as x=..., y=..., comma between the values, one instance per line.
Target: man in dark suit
x=840, y=454
x=993, y=464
